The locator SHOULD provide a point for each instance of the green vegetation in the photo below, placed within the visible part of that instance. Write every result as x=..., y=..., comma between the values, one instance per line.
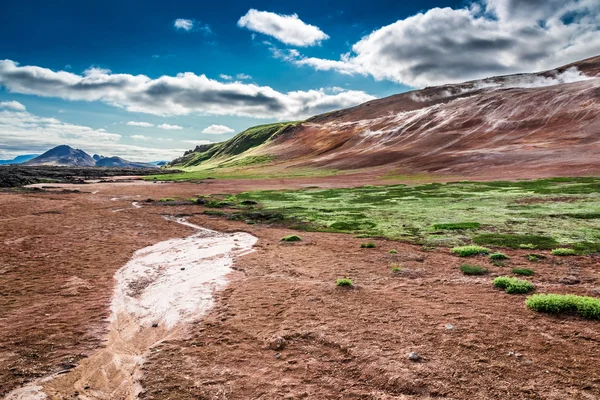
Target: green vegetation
x=535, y=257
x=523, y=271
x=563, y=252
x=516, y=215
x=498, y=256
x=516, y=241
x=467, y=251
x=167, y=199
x=291, y=238
x=473, y=270
x=369, y=245
x=396, y=268
x=457, y=226
x=393, y=251
x=586, y=307
x=513, y=285
x=347, y=282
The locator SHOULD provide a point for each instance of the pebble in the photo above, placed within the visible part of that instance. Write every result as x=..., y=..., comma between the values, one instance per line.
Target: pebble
x=414, y=356
x=450, y=327
x=277, y=344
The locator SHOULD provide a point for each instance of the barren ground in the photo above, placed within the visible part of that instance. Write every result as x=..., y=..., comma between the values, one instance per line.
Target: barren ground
x=60, y=251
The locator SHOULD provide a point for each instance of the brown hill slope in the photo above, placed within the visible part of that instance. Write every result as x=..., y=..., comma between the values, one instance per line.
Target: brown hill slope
x=546, y=122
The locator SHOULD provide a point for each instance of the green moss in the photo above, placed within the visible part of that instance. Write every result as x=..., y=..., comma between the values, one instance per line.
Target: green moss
x=514, y=241
x=291, y=238
x=564, y=252
x=393, y=251
x=498, y=256
x=467, y=251
x=523, y=271
x=586, y=307
x=369, y=245
x=513, y=285
x=347, y=282
x=457, y=226
x=468, y=269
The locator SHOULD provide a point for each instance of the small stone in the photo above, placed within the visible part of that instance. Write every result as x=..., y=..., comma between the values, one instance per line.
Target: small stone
x=450, y=327
x=414, y=356
x=278, y=355
x=183, y=268
x=277, y=344
x=155, y=325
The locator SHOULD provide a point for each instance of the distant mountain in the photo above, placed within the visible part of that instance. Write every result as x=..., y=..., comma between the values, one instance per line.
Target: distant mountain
x=67, y=156
x=64, y=156
x=19, y=159
x=119, y=162
x=159, y=163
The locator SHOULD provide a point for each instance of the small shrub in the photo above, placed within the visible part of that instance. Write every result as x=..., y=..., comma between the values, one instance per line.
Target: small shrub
x=347, y=282
x=457, y=226
x=396, y=267
x=498, y=256
x=586, y=307
x=563, y=252
x=393, y=251
x=166, y=199
x=466, y=251
x=535, y=257
x=473, y=270
x=291, y=238
x=529, y=246
x=513, y=285
x=523, y=271
x=369, y=245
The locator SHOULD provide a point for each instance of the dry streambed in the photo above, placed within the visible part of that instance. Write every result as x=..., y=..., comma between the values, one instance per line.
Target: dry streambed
x=161, y=289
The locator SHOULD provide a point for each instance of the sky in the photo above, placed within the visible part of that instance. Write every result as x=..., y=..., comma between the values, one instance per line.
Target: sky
x=147, y=80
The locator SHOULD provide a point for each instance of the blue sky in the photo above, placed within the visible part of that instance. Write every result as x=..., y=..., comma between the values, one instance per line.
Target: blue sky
x=144, y=79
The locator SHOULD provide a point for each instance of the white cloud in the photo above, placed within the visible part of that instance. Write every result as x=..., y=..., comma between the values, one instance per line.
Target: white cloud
x=170, y=127
x=491, y=37
x=217, y=130
x=25, y=133
x=15, y=105
x=139, y=123
x=140, y=137
x=185, y=24
x=226, y=77
x=243, y=76
x=197, y=142
x=288, y=29
x=183, y=94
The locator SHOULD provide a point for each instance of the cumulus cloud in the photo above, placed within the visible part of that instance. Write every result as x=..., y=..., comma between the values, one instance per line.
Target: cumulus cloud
x=183, y=94
x=226, y=77
x=490, y=37
x=15, y=105
x=217, y=130
x=22, y=132
x=140, y=137
x=197, y=142
x=185, y=24
x=288, y=29
x=170, y=127
x=142, y=124
x=243, y=76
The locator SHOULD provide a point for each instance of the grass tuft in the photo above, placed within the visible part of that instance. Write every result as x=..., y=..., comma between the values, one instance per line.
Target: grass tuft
x=513, y=285
x=523, y=271
x=344, y=282
x=516, y=241
x=369, y=245
x=466, y=251
x=291, y=238
x=498, y=256
x=586, y=307
x=457, y=226
x=563, y=252
x=393, y=251
x=473, y=270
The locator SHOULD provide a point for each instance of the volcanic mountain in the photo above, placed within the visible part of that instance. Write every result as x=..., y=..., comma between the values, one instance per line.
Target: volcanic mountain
x=67, y=156
x=545, y=123
x=19, y=159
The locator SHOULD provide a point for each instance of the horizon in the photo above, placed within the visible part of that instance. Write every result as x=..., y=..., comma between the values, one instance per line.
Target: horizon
x=167, y=77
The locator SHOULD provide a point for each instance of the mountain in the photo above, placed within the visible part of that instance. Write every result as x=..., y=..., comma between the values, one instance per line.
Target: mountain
x=18, y=159
x=63, y=156
x=121, y=163
x=67, y=156
x=545, y=123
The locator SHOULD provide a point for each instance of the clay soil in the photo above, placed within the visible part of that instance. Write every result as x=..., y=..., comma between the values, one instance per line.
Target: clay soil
x=59, y=252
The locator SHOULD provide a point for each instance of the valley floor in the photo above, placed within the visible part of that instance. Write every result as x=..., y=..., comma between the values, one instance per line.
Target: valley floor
x=60, y=252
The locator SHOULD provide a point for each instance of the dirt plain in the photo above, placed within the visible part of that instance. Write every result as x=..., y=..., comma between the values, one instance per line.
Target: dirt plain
x=60, y=251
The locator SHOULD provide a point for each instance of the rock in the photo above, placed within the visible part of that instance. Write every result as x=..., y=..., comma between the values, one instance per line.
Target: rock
x=155, y=325
x=450, y=327
x=414, y=356
x=277, y=344
x=183, y=268
x=570, y=280
x=278, y=355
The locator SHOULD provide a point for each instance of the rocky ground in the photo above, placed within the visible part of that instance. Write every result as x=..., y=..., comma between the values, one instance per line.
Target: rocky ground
x=282, y=329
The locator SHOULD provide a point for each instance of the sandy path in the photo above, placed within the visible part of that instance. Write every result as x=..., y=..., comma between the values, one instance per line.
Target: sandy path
x=157, y=292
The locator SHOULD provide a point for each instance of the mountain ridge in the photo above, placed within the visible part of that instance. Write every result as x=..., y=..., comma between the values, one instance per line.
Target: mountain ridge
x=66, y=156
